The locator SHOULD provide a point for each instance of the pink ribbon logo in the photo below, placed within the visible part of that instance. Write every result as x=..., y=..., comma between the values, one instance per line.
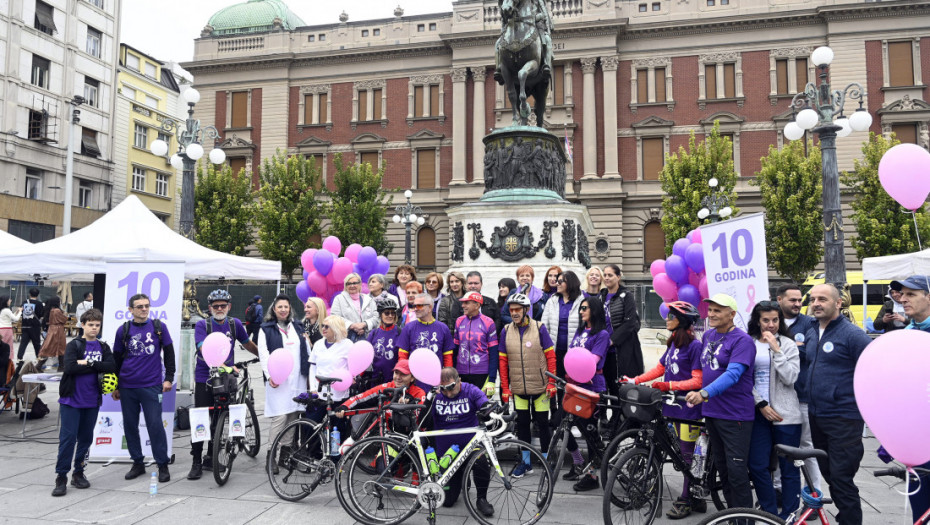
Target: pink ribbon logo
x=751, y=295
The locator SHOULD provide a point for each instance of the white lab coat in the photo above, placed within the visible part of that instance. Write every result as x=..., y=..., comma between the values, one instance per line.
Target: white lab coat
x=280, y=401
x=326, y=361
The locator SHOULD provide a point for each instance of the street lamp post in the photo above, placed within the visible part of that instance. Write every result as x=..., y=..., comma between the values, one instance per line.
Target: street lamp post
x=716, y=206
x=69, y=163
x=190, y=149
x=408, y=214
x=821, y=110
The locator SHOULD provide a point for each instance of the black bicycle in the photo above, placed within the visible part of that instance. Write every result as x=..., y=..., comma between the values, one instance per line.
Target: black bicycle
x=232, y=387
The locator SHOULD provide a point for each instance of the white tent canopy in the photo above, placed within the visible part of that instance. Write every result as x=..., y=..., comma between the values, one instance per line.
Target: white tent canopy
x=129, y=232
x=9, y=241
x=896, y=267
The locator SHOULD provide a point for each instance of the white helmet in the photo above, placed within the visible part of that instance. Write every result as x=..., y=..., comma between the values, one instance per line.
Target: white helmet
x=519, y=298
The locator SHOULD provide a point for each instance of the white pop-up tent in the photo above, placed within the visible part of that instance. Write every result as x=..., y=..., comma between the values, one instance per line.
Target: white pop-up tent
x=9, y=241
x=128, y=232
x=896, y=267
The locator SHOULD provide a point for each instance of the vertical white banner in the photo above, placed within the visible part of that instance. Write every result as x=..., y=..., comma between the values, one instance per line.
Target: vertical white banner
x=237, y=415
x=736, y=263
x=200, y=424
x=163, y=282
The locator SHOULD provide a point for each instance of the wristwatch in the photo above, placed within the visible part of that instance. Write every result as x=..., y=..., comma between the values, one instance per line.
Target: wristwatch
x=704, y=394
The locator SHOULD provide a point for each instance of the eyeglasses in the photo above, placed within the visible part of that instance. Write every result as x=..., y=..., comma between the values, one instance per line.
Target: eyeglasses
x=582, y=308
x=449, y=387
x=391, y=313
x=420, y=306
x=219, y=306
x=142, y=306
x=432, y=281
x=354, y=283
x=324, y=327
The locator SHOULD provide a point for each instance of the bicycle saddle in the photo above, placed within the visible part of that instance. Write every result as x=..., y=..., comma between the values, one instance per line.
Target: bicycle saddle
x=794, y=453
x=404, y=407
x=327, y=380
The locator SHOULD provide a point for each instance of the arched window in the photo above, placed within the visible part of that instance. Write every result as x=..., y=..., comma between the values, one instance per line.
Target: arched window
x=426, y=247
x=654, y=242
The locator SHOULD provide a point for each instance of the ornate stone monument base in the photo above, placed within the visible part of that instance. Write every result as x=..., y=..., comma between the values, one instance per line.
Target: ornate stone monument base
x=523, y=163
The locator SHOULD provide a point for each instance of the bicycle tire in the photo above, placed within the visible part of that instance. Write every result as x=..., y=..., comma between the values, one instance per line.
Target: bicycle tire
x=253, y=432
x=555, y=456
x=224, y=450
x=361, y=489
x=716, y=485
x=614, y=451
x=746, y=517
x=342, y=478
x=536, y=486
x=636, y=486
x=296, y=451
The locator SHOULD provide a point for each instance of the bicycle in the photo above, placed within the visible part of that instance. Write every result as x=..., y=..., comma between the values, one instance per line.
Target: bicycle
x=228, y=390
x=405, y=480
x=633, y=489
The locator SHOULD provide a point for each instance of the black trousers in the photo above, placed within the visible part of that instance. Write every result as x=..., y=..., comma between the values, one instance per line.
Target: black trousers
x=613, y=387
x=478, y=380
x=729, y=442
x=482, y=477
x=525, y=419
x=203, y=397
x=30, y=333
x=841, y=439
x=252, y=329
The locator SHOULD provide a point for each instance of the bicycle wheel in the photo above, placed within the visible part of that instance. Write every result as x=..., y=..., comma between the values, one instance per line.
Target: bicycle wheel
x=224, y=450
x=527, y=498
x=714, y=484
x=386, y=492
x=742, y=517
x=296, y=465
x=619, y=445
x=253, y=433
x=557, y=450
x=634, y=491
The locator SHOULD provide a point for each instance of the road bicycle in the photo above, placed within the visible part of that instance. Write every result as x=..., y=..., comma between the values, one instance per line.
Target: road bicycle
x=633, y=489
x=811, y=502
x=406, y=480
x=231, y=388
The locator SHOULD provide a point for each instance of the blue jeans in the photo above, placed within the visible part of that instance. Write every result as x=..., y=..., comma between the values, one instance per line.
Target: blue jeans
x=920, y=500
x=77, y=428
x=765, y=436
x=146, y=399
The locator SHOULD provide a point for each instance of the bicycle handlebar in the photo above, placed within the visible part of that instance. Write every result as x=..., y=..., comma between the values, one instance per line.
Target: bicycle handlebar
x=896, y=472
x=245, y=364
x=558, y=380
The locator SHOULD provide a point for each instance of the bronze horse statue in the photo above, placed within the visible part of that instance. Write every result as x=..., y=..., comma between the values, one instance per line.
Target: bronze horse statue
x=522, y=54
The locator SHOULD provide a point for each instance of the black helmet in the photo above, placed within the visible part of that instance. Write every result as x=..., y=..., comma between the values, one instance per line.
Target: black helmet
x=686, y=313
x=218, y=295
x=387, y=303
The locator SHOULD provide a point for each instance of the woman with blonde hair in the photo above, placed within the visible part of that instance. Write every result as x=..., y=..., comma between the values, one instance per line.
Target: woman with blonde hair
x=450, y=308
x=593, y=282
x=433, y=286
x=357, y=308
x=330, y=355
x=314, y=312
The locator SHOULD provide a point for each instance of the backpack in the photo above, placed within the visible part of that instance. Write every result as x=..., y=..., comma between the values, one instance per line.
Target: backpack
x=209, y=323
x=155, y=323
x=250, y=313
x=29, y=310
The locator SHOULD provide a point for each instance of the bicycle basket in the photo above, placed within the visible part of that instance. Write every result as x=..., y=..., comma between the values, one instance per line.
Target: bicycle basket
x=579, y=401
x=224, y=383
x=640, y=403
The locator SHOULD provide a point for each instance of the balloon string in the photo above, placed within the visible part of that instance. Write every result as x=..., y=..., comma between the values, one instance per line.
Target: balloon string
x=917, y=230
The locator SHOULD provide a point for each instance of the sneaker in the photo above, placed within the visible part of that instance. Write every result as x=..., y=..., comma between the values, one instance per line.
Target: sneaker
x=521, y=470
x=79, y=481
x=137, y=470
x=574, y=474
x=61, y=485
x=698, y=505
x=586, y=483
x=680, y=509
x=485, y=508
x=163, y=475
x=196, y=471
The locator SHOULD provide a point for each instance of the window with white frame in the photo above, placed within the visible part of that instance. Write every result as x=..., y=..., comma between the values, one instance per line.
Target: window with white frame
x=316, y=104
x=91, y=91
x=98, y=3
x=151, y=101
x=132, y=61
x=161, y=184
x=167, y=139
x=789, y=71
x=901, y=60
x=370, y=100
x=40, y=71
x=141, y=136
x=128, y=92
x=85, y=192
x=94, y=42
x=138, y=179
x=426, y=97
x=151, y=70
x=720, y=76
x=45, y=18
x=33, y=184
x=652, y=141
x=651, y=81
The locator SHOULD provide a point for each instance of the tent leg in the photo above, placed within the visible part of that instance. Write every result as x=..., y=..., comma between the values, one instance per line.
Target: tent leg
x=100, y=287
x=865, y=301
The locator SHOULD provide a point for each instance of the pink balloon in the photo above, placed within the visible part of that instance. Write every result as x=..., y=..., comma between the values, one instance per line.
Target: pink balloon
x=580, y=364
x=352, y=252
x=896, y=411
x=333, y=280
x=905, y=174
x=657, y=267
x=702, y=309
x=345, y=379
x=317, y=283
x=280, y=365
x=215, y=349
x=694, y=279
x=306, y=259
x=333, y=245
x=425, y=366
x=702, y=287
x=361, y=354
x=665, y=287
x=342, y=268
x=695, y=235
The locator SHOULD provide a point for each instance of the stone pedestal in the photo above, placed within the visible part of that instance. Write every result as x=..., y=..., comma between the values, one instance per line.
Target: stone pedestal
x=523, y=163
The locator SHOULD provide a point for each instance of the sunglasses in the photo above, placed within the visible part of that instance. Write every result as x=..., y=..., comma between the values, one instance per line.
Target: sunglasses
x=449, y=387
x=392, y=313
x=670, y=317
x=354, y=283
x=219, y=306
x=420, y=306
x=142, y=306
x=324, y=327
x=560, y=280
x=432, y=282
x=582, y=308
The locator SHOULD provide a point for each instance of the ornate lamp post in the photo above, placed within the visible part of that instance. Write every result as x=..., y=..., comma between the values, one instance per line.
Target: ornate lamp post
x=716, y=205
x=190, y=149
x=821, y=110
x=408, y=214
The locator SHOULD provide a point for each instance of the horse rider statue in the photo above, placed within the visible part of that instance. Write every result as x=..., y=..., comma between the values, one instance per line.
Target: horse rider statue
x=543, y=25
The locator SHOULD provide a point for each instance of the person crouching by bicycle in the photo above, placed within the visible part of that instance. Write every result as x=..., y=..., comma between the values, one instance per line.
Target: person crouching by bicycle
x=592, y=334
x=526, y=354
x=681, y=366
x=778, y=410
x=219, y=303
x=403, y=379
x=727, y=365
x=458, y=407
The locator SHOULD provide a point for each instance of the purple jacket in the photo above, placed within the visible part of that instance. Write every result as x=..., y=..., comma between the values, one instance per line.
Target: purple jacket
x=475, y=341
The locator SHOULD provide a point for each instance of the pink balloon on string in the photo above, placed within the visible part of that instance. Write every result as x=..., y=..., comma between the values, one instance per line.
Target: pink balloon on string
x=352, y=252
x=333, y=245
x=695, y=235
x=361, y=354
x=665, y=287
x=280, y=365
x=580, y=364
x=306, y=259
x=345, y=379
x=425, y=366
x=904, y=172
x=657, y=267
x=215, y=349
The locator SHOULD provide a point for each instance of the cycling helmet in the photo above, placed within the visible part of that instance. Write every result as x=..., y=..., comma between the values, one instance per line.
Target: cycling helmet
x=387, y=303
x=218, y=295
x=686, y=313
x=519, y=298
x=108, y=383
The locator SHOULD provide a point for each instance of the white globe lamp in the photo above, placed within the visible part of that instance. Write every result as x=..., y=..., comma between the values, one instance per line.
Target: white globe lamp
x=194, y=151
x=217, y=156
x=793, y=131
x=807, y=118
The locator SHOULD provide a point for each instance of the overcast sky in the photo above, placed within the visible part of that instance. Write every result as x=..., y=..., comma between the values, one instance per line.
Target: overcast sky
x=166, y=29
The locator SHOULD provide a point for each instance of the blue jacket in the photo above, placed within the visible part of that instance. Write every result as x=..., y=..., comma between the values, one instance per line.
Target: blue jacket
x=805, y=326
x=832, y=367
x=274, y=341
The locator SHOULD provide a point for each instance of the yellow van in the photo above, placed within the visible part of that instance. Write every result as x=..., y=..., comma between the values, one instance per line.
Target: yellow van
x=875, y=295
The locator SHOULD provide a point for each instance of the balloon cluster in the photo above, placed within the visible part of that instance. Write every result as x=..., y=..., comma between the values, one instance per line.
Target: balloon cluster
x=681, y=277
x=325, y=270
x=904, y=172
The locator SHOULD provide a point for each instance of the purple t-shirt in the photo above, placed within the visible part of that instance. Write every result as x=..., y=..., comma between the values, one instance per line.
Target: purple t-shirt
x=142, y=362
x=417, y=334
x=735, y=403
x=201, y=370
x=385, y=344
x=679, y=363
x=86, y=390
x=561, y=338
x=597, y=345
x=460, y=411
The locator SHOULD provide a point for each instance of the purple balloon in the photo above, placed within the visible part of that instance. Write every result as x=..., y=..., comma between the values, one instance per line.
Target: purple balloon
x=694, y=257
x=689, y=294
x=384, y=265
x=680, y=246
x=367, y=257
x=323, y=262
x=676, y=269
x=663, y=310
x=303, y=291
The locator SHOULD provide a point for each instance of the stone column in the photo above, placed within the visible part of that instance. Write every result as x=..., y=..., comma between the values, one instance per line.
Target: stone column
x=611, y=160
x=479, y=74
x=459, y=129
x=589, y=122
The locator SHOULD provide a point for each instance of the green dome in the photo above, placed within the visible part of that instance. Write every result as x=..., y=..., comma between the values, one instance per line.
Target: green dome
x=254, y=16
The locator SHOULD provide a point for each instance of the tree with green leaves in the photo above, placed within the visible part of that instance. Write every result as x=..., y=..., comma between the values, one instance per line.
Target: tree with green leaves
x=791, y=184
x=287, y=212
x=685, y=179
x=222, y=209
x=883, y=226
x=358, y=204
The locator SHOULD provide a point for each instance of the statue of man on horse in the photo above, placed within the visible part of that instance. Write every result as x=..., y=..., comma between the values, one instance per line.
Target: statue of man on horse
x=523, y=56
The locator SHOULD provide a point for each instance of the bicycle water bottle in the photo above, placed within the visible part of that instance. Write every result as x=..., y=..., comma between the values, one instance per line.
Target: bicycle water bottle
x=697, y=462
x=449, y=457
x=153, y=486
x=334, y=442
x=431, y=461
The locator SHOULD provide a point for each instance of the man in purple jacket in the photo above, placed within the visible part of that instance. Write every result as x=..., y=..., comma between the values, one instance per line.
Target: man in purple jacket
x=475, y=355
